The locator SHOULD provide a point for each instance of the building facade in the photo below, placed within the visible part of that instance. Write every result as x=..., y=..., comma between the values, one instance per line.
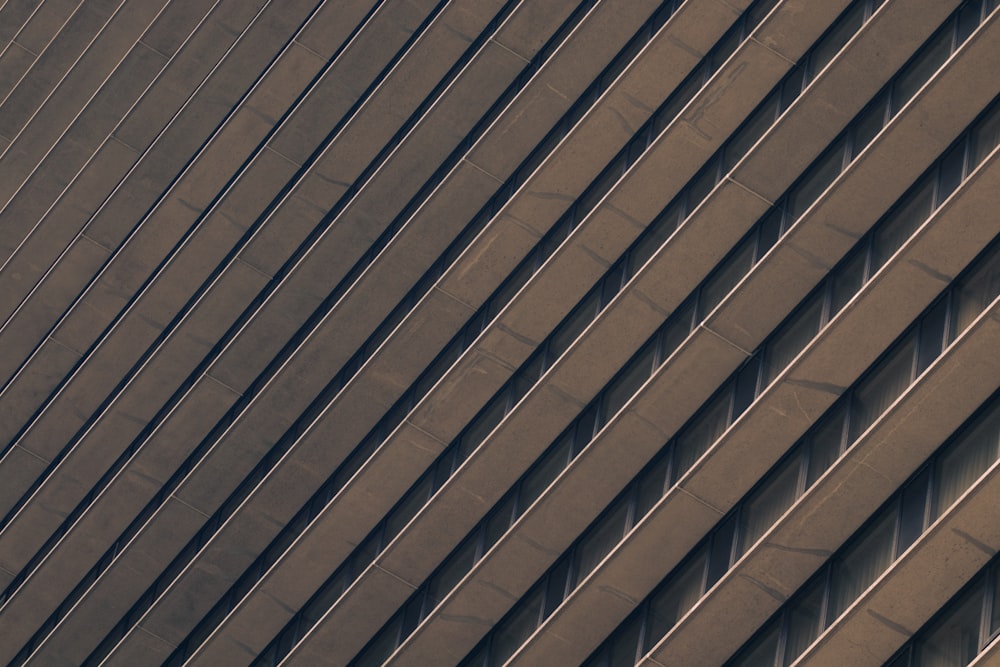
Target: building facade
x=499, y=332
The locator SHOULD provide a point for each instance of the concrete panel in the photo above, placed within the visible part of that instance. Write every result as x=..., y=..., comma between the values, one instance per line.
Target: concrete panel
x=56, y=112
x=58, y=229
x=14, y=62
x=329, y=27
x=20, y=464
x=338, y=637
x=175, y=24
x=70, y=42
x=36, y=31
x=215, y=35
x=878, y=51
x=41, y=375
x=348, y=78
x=945, y=558
x=575, y=64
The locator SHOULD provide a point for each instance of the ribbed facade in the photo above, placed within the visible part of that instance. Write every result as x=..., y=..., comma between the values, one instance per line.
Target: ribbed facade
x=500, y=332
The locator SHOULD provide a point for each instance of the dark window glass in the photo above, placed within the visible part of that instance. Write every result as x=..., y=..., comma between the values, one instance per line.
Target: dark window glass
x=913, y=512
x=500, y=520
x=627, y=383
x=762, y=650
x=600, y=540
x=920, y=70
x=792, y=338
x=624, y=645
x=556, y=586
x=863, y=562
x=817, y=179
x=985, y=136
x=933, y=327
x=516, y=628
x=696, y=438
x=675, y=599
x=545, y=471
x=652, y=486
x=658, y=233
x=804, y=622
x=951, y=170
x=953, y=640
x=677, y=331
x=571, y=328
x=701, y=185
x=977, y=291
x=483, y=424
x=721, y=551
x=882, y=387
x=454, y=569
x=772, y=498
x=870, y=123
x=968, y=19
x=725, y=278
x=965, y=459
x=847, y=280
x=833, y=41
x=746, y=386
x=409, y=507
x=792, y=87
x=752, y=130
x=995, y=613
x=825, y=444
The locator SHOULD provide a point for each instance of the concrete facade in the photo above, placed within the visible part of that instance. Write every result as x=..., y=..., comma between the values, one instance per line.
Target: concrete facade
x=351, y=332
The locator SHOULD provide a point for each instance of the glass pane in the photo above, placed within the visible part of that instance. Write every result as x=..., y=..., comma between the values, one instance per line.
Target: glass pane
x=995, y=615
x=765, y=505
x=651, y=487
x=556, y=586
x=864, y=561
x=792, y=338
x=753, y=129
x=600, y=540
x=456, y=567
x=762, y=650
x=951, y=172
x=847, y=280
x=977, y=291
x=966, y=459
x=817, y=179
x=746, y=386
x=702, y=432
x=573, y=326
x=408, y=508
x=725, y=278
x=804, y=619
x=920, y=70
x=677, y=330
x=870, y=124
x=953, y=640
x=625, y=643
x=913, y=512
x=721, y=554
x=831, y=43
x=546, y=470
x=516, y=628
x=893, y=231
x=882, y=387
x=932, y=330
x=675, y=599
x=985, y=136
x=627, y=383
x=658, y=233
x=825, y=443
x=701, y=186
x=500, y=520
x=483, y=424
